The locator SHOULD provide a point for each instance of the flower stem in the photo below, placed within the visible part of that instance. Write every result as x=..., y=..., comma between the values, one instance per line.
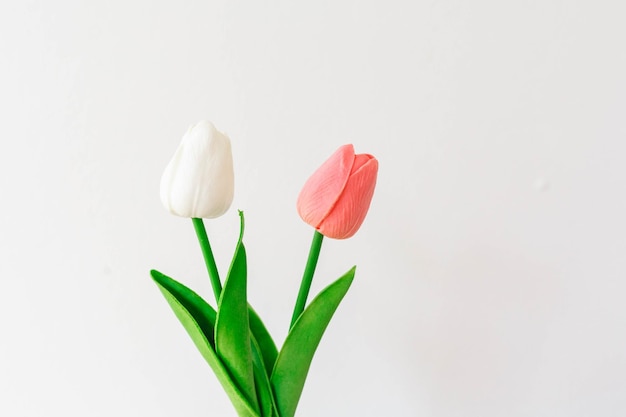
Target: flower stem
x=307, y=278
x=209, y=260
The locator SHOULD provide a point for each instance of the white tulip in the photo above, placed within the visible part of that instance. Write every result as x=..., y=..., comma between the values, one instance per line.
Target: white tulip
x=199, y=180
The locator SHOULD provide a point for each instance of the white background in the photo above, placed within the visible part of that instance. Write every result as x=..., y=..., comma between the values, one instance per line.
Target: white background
x=491, y=269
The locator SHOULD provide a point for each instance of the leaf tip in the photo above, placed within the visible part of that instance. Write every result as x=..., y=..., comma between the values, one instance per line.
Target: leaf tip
x=351, y=272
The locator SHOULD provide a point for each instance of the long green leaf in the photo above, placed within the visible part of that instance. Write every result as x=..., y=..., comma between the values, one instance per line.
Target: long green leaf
x=198, y=318
x=267, y=347
x=264, y=392
x=294, y=359
x=232, y=328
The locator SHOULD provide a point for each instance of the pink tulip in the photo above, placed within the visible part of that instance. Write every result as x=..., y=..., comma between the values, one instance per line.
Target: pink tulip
x=335, y=199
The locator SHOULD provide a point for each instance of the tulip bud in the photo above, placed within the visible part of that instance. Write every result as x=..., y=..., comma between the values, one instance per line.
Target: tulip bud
x=199, y=181
x=335, y=199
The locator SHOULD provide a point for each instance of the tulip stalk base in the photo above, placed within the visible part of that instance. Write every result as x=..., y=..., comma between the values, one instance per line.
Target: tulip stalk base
x=307, y=278
x=209, y=259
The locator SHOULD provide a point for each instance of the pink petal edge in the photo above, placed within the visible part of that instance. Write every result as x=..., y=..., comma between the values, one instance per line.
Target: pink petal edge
x=322, y=190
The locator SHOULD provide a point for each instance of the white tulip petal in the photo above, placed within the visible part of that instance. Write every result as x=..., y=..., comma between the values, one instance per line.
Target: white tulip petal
x=199, y=180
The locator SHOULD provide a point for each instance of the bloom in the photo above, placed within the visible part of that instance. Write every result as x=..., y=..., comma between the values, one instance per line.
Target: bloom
x=199, y=180
x=335, y=199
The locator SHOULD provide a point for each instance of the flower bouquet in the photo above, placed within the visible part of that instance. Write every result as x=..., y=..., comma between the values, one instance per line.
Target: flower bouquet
x=198, y=183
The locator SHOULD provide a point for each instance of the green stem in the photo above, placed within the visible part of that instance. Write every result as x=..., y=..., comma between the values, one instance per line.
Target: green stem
x=307, y=278
x=209, y=260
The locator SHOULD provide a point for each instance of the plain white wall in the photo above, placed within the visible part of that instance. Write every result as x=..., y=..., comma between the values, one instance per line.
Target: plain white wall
x=491, y=268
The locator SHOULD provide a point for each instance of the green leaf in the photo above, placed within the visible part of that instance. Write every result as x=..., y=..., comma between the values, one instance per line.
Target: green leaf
x=262, y=383
x=267, y=347
x=294, y=359
x=198, y=318
x=232, y=328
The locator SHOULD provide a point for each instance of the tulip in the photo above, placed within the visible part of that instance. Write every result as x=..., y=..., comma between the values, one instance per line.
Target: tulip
x=199, y=181
x=336, y=198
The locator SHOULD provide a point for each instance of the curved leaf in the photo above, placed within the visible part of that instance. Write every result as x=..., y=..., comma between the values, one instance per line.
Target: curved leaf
x=198, y=318
x=267, y=347
x=232, y=328
x=294, y=359
x=264, y=393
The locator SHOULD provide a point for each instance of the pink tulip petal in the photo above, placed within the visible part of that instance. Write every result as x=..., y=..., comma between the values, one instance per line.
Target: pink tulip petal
x=321, y=191
x=352, y=206
x=360, y=160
